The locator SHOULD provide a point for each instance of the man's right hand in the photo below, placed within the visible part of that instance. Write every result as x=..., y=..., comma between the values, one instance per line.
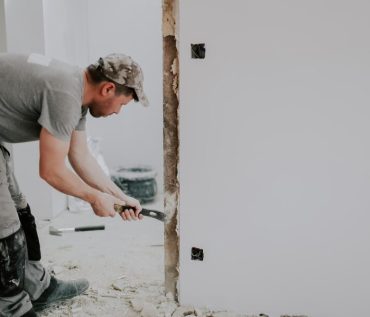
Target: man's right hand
x=103, y=204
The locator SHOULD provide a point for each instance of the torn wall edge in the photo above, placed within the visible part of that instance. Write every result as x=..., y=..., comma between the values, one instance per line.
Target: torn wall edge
x=171, y=144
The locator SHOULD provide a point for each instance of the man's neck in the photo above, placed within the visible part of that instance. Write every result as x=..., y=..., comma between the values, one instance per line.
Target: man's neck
x=88, y=90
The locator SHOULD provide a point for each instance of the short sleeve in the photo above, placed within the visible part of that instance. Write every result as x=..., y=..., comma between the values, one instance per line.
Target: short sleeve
x=81, y=126
x=60, y=113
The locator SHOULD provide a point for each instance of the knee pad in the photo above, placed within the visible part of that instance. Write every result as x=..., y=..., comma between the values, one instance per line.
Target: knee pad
x=12, y=264
x=29, y=227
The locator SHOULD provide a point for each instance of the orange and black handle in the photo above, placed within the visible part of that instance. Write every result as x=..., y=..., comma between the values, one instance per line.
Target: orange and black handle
x=145, y=212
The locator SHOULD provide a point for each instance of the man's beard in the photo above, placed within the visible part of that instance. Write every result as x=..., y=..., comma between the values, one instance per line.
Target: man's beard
x=93, y=112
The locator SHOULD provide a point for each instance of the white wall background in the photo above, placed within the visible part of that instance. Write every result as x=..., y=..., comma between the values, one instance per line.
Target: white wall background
x=24, y=26
x=66, y=30
x=133, y=27
x=78, y=32
x=2, y=27
x=275, y=156
x=25, y=33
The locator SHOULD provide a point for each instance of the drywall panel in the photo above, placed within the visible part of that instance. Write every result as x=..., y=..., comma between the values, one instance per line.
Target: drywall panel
x=275, y=156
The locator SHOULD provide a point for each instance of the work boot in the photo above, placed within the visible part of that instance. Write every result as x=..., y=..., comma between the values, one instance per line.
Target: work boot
x=30, y=313
x=60, y=290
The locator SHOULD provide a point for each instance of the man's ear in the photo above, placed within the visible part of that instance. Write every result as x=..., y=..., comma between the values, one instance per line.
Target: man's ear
x=108, y=89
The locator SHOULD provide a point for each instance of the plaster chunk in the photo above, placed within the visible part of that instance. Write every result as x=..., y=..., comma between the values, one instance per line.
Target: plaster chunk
x=149, y=310
x=137, y=304
x=170, y=297
x=175, y=66
x=171, y=204
x=183, y=311
x=198, y=312
x=119, y=285
x=167, y=308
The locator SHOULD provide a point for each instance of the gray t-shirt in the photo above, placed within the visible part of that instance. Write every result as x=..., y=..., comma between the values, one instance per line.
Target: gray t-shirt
x=37, y=92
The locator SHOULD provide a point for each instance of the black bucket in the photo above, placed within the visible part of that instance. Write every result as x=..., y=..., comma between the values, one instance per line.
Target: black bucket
x=137, y=181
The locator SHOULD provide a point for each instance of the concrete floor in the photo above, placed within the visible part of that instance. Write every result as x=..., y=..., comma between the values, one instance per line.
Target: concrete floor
x=119, y=261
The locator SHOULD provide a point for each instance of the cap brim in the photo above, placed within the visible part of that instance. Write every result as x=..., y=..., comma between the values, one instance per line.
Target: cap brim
x=142, y=97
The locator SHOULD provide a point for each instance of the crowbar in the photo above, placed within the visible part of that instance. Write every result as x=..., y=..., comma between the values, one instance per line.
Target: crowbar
x=145, y=212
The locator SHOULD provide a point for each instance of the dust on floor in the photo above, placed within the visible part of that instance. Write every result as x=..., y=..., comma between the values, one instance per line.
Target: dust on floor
x=124, y=264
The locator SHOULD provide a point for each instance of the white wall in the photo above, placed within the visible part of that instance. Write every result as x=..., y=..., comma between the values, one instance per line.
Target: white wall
x=132, y=27
x=274, y=156
x=66, y=30
x=2, y=27
x=24, y=26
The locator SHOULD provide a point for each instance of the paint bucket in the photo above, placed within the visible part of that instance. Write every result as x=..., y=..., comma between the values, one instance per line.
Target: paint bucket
x=136, y=181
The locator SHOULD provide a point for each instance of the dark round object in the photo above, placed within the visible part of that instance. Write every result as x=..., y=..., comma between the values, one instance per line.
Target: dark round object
x=137, y=181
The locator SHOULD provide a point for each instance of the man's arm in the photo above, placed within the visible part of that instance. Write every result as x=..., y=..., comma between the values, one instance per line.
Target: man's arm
x=53, y=170
x=90, y=171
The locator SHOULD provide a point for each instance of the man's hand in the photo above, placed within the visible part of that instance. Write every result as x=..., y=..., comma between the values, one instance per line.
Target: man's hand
x=134, y=212
x=86, y=167
x=103, y=205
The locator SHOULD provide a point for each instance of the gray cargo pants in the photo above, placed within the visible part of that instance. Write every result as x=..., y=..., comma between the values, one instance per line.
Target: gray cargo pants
x=22, y=277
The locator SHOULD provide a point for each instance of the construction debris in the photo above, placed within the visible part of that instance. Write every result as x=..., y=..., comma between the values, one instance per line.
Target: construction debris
x=183, y=311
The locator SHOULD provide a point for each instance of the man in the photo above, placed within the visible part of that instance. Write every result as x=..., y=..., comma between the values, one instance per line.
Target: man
x=45, y=99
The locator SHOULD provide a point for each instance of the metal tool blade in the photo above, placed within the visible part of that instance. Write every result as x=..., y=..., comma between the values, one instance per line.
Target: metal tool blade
x=145, y=212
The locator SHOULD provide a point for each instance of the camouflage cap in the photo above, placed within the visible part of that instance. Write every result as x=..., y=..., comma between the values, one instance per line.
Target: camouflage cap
x=123, y=70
